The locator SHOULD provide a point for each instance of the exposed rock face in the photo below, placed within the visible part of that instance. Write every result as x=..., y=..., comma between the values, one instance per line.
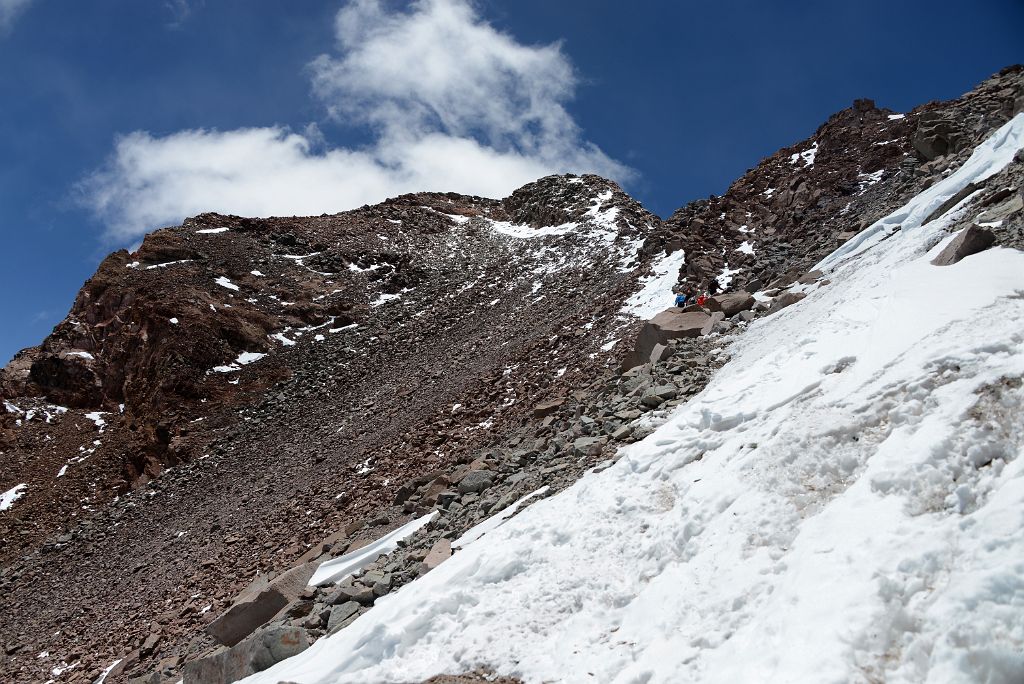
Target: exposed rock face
x=936, y=136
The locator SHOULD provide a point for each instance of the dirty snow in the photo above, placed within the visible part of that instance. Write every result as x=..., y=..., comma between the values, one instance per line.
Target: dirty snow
x=97, y=418
x=866, y=180
x=524, y=231
x=844, y=502
x=103, y=675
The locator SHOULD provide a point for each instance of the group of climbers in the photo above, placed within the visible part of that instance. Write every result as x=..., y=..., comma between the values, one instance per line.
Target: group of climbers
x=685, y=294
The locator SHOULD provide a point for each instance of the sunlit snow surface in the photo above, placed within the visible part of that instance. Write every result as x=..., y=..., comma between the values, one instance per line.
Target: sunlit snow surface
x=656, y=294
x=821, y=512
x=8, y=498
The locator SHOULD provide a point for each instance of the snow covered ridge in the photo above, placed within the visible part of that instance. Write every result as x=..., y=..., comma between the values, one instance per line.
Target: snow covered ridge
x=843, y=503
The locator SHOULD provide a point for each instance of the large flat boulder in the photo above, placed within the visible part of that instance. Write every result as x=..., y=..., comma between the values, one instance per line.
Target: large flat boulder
x=259, y=603
x=254, y=654
x=731, y=303
x=671, y=324
x=971, y=240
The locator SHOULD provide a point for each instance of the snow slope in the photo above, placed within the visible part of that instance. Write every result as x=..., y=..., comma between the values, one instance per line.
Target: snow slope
x=843, y=503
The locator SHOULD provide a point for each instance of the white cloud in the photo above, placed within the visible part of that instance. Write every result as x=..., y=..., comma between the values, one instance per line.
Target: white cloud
x=9, y=11
x=453, y=104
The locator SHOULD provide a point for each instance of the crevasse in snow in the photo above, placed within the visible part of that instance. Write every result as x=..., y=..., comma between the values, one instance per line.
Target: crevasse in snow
x=843, y=502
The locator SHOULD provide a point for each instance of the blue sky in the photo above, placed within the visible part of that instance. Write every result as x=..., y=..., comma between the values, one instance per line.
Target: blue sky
x=119, y=116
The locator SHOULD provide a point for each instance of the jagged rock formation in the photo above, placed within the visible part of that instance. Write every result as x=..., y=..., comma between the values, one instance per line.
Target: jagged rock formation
x=242, y=395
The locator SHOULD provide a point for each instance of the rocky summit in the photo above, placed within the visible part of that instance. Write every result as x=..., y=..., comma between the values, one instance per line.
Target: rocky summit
x=240, y=400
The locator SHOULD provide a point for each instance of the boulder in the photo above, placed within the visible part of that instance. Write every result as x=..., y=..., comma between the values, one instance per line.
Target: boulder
x=253, y=654
x=786, y=299
x=732, y=303
x=259, y=603
x=622, y=433
x=546, y=408
x=439, y=553
x=661, y=352
x=656, y=396
x=971, y=240
x=476, y=481
x=587, y=446
x=670, y=324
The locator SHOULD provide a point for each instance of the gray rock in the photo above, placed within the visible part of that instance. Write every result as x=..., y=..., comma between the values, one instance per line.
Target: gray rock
x=656, y=396
x=383, y=585
x=352, y=592
x=253, y=654
x=971, y=240
x=660, y=353
x=716, y=316
x=587, y=446
x=476, y=481
x=935, y=136
x=151, y=678
x=340, y=613
x=371, y=577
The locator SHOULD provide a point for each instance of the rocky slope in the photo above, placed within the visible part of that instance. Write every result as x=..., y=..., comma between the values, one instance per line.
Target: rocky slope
x=239, y=395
